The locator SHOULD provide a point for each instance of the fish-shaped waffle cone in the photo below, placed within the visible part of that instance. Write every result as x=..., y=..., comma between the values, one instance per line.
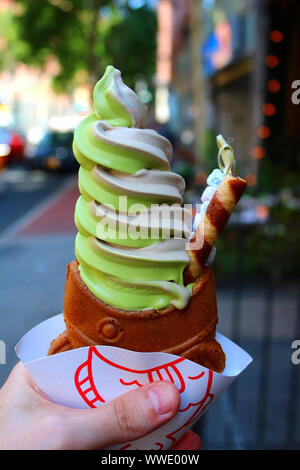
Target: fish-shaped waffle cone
x=189, y=333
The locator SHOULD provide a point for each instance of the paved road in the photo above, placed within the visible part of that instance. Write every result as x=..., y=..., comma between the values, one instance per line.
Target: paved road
x=22, y=190
x=261, y=410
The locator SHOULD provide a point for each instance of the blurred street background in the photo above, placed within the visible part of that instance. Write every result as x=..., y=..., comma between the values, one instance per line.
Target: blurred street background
x=202, y=67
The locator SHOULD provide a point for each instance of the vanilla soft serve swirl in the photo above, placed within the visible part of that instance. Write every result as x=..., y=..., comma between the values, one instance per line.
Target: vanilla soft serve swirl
x=119, y=158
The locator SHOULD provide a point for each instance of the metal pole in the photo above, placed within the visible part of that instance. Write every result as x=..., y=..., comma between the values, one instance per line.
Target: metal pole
x=198, y=97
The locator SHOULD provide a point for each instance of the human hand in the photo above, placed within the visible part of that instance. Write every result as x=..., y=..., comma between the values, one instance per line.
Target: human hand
x=29, y=420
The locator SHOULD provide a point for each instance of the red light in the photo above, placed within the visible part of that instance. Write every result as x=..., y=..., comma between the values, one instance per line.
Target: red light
x=201, y=177
x=272, y=61
x=274, y=86
x=251, y=179
x=262, y=212
x=258, y=153
x=276, y=36
x=263, y=132
x=269, y=109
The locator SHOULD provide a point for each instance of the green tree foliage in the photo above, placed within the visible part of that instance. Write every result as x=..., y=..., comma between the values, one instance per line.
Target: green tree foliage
x=11, y=46
x=87, y=35
x=131, y=43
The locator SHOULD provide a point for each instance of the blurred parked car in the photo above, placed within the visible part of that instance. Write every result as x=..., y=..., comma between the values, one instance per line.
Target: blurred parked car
x=54, y=152
x=11, y=146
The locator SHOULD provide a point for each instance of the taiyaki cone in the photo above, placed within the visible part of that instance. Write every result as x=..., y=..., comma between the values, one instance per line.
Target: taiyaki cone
x=189, y=333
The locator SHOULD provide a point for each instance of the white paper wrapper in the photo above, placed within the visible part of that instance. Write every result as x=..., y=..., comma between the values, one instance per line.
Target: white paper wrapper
x=91, y=376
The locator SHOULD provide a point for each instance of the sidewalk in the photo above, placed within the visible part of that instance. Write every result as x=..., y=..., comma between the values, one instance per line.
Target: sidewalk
x=34, y=257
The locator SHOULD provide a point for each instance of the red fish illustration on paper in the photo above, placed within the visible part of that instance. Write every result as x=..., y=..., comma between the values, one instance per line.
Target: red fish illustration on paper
x=100, y=379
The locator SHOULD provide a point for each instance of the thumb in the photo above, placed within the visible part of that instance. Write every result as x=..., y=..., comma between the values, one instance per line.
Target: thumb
x=125, y=418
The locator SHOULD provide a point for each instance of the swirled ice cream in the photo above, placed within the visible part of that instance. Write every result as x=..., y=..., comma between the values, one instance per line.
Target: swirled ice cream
x=123, y=166
x=141, y=282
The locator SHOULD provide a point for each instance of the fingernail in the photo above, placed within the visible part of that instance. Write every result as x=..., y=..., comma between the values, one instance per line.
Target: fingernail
x=164, y=397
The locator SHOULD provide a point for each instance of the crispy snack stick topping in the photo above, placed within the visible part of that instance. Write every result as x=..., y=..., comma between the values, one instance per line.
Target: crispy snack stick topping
x=217, y=213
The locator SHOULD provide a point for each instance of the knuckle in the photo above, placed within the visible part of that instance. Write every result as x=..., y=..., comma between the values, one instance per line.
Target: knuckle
x=125, y=415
